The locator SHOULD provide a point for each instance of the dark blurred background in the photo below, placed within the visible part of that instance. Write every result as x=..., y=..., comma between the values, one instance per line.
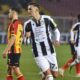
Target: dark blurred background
x=18, y=4
x=53, y=7
x=64, y=13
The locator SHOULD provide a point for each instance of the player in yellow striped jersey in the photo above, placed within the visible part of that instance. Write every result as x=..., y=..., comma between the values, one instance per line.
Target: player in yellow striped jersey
x=13, y=49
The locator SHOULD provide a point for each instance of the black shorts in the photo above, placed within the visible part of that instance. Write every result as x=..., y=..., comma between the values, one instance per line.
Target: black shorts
x=13, y=59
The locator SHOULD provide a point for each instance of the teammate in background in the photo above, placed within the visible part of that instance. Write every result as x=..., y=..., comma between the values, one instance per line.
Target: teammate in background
x=67, y=64
x=13, y=48
x=44, y=53
x=75, y=49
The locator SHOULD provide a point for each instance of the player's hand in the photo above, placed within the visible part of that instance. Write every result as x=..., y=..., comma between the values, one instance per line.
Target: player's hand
x=72, y=41
x=57, y=43
x=4, y=54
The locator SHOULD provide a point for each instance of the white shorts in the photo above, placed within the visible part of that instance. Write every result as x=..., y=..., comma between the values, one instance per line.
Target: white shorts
x=47, y=62
x=78, y=52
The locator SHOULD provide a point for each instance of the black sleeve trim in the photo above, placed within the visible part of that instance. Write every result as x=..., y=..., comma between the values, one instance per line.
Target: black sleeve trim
x=28, y=27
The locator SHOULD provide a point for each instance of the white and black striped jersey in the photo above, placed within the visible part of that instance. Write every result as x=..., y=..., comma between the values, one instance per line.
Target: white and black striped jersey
x=75, y=31
x=41, y=41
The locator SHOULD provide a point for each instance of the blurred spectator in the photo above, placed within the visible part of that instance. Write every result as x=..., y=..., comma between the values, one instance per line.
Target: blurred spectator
x=24, y=2
x=0, y=8
x=15, y=4
x=18, y=4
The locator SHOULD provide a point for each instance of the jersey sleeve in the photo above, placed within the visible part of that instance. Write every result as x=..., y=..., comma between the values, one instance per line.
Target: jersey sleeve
x=75, y=27
x=53, y=25
x=20, y=30
x=14, y=29
x=27, y=27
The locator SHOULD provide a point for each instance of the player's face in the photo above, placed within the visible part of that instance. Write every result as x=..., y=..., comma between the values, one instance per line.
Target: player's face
x=32, y=10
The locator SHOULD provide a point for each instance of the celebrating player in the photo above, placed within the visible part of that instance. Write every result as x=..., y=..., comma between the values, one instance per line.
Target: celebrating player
x=38, y=28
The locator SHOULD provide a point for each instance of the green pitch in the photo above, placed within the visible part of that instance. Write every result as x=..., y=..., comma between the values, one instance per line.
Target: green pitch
x=29, y=67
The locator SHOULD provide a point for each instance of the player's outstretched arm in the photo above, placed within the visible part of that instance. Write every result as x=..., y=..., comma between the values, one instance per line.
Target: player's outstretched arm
x=57, y=35
x=11, y=42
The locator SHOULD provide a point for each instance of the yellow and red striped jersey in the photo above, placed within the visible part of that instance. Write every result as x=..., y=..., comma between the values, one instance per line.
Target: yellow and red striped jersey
x=15, y=29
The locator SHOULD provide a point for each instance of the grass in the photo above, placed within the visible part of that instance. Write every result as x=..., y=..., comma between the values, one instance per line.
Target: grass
x=29, y=67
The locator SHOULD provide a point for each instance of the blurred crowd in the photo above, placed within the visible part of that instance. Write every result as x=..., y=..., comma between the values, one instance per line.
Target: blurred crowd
x=18, y=4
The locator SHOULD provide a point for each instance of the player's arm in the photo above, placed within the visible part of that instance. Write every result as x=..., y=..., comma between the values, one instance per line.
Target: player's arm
x=72, y=33
x=73, y=51
x=57, y=36
x=28, y=34
x=28, y=29
x=72, y=36
x=9, y=45
x=53, y=25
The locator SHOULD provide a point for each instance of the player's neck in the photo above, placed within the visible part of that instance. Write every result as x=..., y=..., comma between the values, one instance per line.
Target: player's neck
x=37, y=17
x=15, y=18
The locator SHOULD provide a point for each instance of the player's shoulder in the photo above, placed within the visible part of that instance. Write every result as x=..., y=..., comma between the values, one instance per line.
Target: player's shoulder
x=16, y=23
x=27, y=21
x=45, y=16
x=76, y=24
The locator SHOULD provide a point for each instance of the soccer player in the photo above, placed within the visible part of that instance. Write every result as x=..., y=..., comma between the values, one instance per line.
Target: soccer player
x=13, y=48
x=75, y=49
x=44, y=53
